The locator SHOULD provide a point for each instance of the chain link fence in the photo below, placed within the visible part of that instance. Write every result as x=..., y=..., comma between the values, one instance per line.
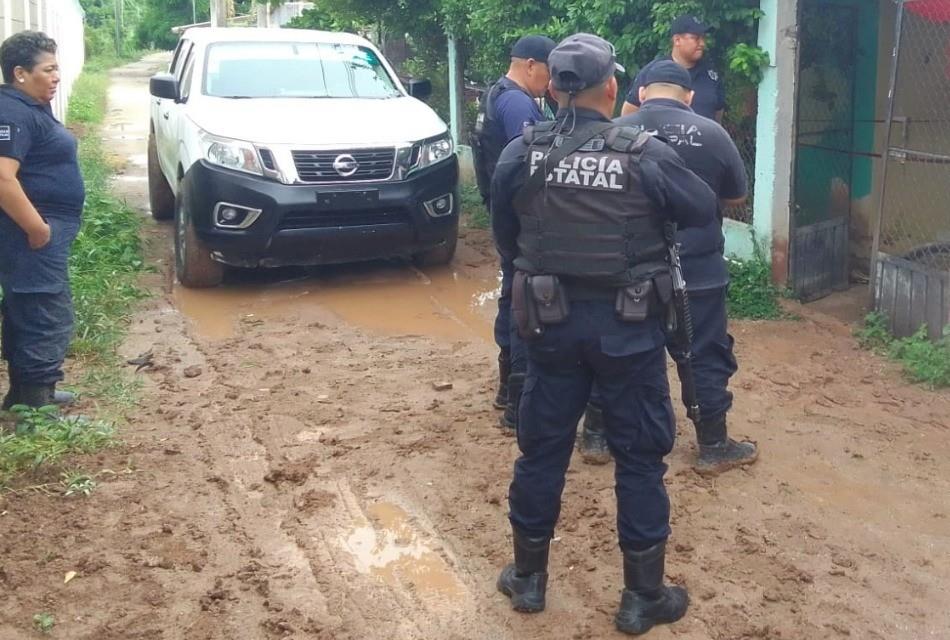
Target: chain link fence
x=912, y=257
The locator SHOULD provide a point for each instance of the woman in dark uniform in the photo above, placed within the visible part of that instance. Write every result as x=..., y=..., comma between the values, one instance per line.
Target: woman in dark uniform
x=41, y=200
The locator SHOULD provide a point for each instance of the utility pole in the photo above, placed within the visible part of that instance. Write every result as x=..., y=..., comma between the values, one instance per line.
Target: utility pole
x=118, y=28
x=194, y=13
x=219, y=13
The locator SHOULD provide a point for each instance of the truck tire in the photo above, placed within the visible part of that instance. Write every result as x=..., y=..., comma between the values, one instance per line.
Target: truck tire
x=161, y=200
x=193, y=263
x=436, y=256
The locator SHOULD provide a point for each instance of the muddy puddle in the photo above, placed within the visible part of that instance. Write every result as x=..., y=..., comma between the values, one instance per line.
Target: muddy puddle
x=389, y=548
x=393, y=299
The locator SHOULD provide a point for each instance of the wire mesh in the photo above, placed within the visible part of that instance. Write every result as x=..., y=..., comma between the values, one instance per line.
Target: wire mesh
x=915, y=220
x=744, y=137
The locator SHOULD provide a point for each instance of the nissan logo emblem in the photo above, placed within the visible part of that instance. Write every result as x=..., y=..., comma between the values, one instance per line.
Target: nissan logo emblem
x=346, y=165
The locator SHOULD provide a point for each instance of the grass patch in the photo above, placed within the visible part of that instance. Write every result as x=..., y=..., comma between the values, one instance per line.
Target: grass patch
x=923, y=361
x=752, y=295
x=107, y=256
x=43, y=437
x=474, y=210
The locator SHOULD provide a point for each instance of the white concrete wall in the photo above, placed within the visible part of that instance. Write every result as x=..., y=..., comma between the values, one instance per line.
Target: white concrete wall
x=61, y=20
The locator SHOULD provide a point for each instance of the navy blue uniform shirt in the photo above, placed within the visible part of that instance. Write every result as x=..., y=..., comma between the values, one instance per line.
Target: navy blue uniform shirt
x=513, y=110
x=711, y=154
x=46, y=151
x=676, y=191
x=707, y=84
x=50, y=177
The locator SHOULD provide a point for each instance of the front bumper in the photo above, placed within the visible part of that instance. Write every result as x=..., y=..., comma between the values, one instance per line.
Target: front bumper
x=321, y=224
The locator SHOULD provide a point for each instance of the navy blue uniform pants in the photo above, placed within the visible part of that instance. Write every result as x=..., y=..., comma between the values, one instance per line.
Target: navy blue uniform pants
x=506, y=332
x=36, y=331
x=713, y=359
x=628, y=363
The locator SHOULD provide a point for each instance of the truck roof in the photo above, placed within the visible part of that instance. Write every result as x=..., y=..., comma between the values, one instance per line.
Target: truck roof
x=206, y=35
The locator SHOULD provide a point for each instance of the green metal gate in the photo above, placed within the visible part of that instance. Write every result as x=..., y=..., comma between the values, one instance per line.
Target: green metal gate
x=821, y=211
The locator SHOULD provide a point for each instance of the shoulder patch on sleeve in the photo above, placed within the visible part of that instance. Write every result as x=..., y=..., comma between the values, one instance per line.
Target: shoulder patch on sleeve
x=6, y=133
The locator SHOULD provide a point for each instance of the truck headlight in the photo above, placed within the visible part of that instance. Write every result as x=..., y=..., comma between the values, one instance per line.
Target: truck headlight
x=231, y=154
x=430, y=152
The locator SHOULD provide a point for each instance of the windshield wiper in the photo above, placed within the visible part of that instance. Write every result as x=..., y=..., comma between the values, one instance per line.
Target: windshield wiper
x=237, y=97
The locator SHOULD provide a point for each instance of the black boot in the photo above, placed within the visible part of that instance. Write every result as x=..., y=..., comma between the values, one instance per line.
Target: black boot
x=646, y=601
x=526, y=579
x=593, y=441
x=10, y=398
x=504, y=370
x=509, y=419
x=717, y=451
x=36, y=395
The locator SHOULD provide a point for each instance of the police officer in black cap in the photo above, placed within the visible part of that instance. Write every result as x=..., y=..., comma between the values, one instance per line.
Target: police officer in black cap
x=688, y=34
x=709, y=152
x=507, y=108
x=579, y=205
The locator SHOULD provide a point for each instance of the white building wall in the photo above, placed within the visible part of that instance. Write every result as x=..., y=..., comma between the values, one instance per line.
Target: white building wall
x=61, y=20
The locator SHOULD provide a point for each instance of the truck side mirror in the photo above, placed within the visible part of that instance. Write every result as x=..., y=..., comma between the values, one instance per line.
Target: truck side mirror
x=164, y=85
x=420, y=89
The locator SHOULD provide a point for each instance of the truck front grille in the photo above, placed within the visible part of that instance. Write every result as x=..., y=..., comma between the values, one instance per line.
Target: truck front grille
x=318, y=166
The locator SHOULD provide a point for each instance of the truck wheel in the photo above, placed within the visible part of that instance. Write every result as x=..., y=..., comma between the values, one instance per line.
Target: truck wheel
x=193, y=263
x=436, y=256
x=161, y=200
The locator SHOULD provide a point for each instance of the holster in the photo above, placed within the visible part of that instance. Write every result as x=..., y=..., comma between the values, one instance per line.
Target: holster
x=537, y=301
x=639, y=301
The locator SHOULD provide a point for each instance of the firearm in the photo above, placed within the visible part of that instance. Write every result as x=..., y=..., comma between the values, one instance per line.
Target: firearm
x=679, y=329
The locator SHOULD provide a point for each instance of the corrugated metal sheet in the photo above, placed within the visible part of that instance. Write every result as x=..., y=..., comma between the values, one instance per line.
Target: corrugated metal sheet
x=819, y=259
x=911, y=295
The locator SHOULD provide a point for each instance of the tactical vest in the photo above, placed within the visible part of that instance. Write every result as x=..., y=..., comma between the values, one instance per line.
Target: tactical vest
x=591, y=222
x=487, y=145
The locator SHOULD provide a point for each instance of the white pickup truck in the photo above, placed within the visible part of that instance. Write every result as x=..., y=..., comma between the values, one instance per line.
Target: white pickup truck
x=272, y=147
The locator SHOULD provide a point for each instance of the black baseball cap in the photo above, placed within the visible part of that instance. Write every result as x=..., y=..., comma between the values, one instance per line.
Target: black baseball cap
x=582, y=61
x=689, y=24
x=665, y=71
x=533, y=47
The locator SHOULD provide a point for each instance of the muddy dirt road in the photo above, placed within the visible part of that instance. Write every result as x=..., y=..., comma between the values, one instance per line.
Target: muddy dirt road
x=291, y=472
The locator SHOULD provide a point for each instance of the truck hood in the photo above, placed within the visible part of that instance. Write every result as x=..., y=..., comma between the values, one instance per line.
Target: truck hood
x=317, y=121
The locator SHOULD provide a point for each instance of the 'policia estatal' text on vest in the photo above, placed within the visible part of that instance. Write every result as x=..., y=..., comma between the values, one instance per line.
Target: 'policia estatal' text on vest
x=592, y=220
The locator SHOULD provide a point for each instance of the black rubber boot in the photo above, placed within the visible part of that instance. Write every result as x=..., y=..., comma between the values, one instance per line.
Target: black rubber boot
x=525, y=581
x=504, y=370
x=646, y=601
x=35, y=395
x=593, y=442
x=717, y=451
x=509, y=419
x=10, y=398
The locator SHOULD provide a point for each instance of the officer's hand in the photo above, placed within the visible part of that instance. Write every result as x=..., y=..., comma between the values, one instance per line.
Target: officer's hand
x=39, y=237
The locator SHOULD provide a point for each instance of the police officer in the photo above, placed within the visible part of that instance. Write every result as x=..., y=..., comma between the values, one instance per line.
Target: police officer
x=579, y=205
x=709, y=152
x=41, y=200
x=688, y=35
x=507, y=108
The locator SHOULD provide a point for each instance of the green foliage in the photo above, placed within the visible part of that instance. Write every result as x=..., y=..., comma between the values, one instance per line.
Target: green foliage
x=923, y=361
x=154, y=29
x=752, y=295
x=42, y=437
x=473, y=208
x=107, y=255
x=44, y=622
x=748, y=61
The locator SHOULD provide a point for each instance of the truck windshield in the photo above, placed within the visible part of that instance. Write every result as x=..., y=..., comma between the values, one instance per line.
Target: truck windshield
x=295, y=70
